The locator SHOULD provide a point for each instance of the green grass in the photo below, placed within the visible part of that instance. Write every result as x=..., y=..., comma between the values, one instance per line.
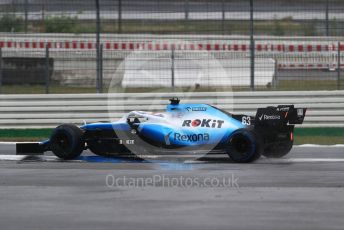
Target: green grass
x=272, y=27
x=319, y=140
x=67, y=24
x=38, y=89
x=319, y=132
x=323, y=136
x=307, y=85
x=24, y=134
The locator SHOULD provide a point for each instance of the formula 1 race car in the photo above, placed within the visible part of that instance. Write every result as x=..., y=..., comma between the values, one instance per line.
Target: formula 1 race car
x=182, y=128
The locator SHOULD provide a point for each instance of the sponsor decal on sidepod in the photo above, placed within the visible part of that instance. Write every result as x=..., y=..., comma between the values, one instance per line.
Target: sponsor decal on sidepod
x=196, y=109
x=209, y=123
x=187, y=137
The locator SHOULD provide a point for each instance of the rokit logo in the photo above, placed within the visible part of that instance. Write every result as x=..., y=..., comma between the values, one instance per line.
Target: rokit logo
x=269, y=117
x=191, y=137
x=209, y=123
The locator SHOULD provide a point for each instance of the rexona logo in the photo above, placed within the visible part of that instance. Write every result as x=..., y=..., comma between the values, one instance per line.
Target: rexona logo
x=191, y=137
x=209, y=123
x=196, y=109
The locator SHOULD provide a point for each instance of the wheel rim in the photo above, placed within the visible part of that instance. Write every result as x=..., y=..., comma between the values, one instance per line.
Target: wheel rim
x=241, y=144
x=241, y=147
x=62, y=142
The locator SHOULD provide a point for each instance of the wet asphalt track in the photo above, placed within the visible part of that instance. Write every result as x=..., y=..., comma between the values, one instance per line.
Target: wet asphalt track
x=302, y=191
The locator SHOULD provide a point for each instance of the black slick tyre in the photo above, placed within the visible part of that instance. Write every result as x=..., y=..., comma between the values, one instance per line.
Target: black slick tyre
x=66, y=141
x=243, y=146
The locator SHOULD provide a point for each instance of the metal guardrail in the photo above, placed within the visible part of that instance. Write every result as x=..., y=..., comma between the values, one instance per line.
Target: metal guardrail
x=325, y=108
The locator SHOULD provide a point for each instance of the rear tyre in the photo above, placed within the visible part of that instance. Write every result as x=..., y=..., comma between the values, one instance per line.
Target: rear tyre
x=243, y=146
x=278, y=150
x=66, y=141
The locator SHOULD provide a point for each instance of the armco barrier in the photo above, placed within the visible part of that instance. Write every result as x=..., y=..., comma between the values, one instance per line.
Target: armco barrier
x=325, y=108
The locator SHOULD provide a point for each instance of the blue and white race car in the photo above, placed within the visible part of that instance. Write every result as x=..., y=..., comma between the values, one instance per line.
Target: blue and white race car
x=182, y=128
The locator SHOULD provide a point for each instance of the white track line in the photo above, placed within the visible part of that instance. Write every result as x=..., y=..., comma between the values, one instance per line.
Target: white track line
x=33, y=158
x=301, y=160
x=297, y=146
x=321, y=146
x=13, y=143
x=262, y=160
x=306, y=160
x=11, y=157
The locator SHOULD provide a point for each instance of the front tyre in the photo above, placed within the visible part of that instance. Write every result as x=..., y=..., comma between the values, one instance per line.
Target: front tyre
x=243, y=146
x=67, y=141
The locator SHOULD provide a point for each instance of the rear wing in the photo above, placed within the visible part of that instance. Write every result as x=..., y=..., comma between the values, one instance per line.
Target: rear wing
x=279, y=116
